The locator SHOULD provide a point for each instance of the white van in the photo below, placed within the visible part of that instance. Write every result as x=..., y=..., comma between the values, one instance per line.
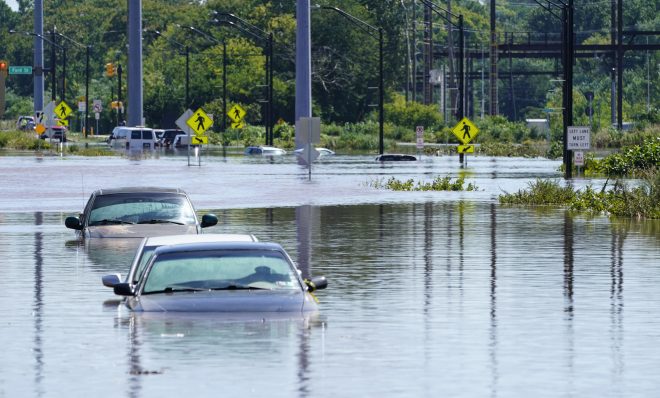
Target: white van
x=133, y=138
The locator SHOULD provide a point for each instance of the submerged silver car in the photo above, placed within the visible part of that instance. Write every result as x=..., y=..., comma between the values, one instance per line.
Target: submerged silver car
x=148, y=245
x=221, y=277
x=137, y=213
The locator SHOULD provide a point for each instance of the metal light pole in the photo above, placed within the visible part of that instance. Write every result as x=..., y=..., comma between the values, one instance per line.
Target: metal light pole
x=267, y=38
x=224, y=67
x=53, y=68
x=376, y=33
x=568, y=49
x=87, y=55
x=186, y=50
x=442, y=13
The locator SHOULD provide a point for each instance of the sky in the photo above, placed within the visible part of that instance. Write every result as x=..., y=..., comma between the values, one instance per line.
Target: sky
x=12, y=4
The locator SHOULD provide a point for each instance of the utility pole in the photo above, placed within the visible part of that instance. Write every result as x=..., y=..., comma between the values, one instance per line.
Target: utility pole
x=135, y=84
x=303, y=64
x=38, y=57
x=493, y=61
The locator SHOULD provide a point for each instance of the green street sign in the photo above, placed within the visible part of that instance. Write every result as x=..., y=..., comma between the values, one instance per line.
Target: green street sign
x=20, y=70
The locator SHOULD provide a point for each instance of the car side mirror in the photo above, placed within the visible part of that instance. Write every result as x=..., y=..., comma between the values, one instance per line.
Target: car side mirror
x=73, y=223
x=111, y=280
x=209, y=220
x=123, y=289
x=316, y=283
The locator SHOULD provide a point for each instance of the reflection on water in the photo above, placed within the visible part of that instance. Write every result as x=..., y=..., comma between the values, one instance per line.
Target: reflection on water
x=425, y=299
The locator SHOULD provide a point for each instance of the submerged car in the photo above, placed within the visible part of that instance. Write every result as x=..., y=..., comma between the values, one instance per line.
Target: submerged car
x=138, y=213
x=395, y=157
x=148, y=245
x=320, y=150
x=221, y=277
x=264, y=151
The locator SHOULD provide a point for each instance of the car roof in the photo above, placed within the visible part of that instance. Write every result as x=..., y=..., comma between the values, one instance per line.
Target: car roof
x=212, y=246
x=200, y=238
x=109, y=191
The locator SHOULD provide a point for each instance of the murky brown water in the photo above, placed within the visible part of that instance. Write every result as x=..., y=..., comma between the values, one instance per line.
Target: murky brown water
x=430, y=294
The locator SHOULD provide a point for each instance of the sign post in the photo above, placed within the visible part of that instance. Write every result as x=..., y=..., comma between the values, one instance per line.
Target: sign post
x=465, y=131
x=181, y=123
x=420, y=138
x=309, y=131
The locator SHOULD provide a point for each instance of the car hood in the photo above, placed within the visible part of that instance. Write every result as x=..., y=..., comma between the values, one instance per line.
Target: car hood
x=138, y=230
x=246, y=301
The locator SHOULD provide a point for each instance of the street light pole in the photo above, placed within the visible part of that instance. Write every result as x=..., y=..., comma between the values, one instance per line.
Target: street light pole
x=224, y=68
x=186, y=50
x=376, y=33
x=567, y=10
x=461, y=50
x=87, y=55
x=53, y=68
x=263, y=36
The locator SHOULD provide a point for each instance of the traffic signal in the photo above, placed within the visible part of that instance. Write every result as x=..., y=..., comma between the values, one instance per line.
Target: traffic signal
x=109, y=69
x=4, y=67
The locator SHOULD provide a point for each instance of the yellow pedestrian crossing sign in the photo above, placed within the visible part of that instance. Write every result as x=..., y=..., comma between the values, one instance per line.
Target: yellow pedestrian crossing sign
x=465, y=131
x=236, y=113
x=62, y=110
x=199, y=122
x=63, y=122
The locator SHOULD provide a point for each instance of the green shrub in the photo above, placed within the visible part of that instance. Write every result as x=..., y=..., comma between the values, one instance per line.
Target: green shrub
x=409, y=115
x=438, y=184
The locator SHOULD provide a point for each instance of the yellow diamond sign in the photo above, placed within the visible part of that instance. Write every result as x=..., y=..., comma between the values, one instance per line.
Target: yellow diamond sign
x=465, y=131
x=199, y=122
x=63, y=110
x=236, y=113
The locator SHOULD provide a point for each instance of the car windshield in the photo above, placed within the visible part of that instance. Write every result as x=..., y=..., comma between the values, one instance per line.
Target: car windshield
x=141, y=208
x=220, y=270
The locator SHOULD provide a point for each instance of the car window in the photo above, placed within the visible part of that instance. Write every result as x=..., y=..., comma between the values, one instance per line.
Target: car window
x=147, y=135
x=134, y=208
x=135, y=135
x=220, y=270
x=147, y=253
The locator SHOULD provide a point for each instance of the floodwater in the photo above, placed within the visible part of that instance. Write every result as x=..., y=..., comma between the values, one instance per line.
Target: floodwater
x=431, y=293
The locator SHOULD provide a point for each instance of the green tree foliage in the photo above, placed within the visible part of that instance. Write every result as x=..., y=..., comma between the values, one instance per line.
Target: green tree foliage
x=345, y=57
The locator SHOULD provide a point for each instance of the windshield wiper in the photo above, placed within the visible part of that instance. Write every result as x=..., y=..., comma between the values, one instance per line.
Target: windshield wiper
x=111, y=221
x=170, y=289
x=157, y=221
x=239, y=287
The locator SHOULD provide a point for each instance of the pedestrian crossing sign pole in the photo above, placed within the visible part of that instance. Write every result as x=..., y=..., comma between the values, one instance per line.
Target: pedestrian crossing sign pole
x=465, y=131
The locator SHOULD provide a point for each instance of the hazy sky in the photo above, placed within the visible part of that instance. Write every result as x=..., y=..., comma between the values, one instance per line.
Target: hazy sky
x=12, y=4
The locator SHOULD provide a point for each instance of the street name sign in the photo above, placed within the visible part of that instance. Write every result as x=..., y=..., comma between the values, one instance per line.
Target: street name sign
x=20, y=70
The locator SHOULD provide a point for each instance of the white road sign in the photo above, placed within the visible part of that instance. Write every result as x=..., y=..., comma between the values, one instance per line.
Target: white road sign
x=578, y=138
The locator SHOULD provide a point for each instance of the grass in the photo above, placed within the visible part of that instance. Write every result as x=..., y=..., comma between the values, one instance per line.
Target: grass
x=619, y=199
x=438, y=184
